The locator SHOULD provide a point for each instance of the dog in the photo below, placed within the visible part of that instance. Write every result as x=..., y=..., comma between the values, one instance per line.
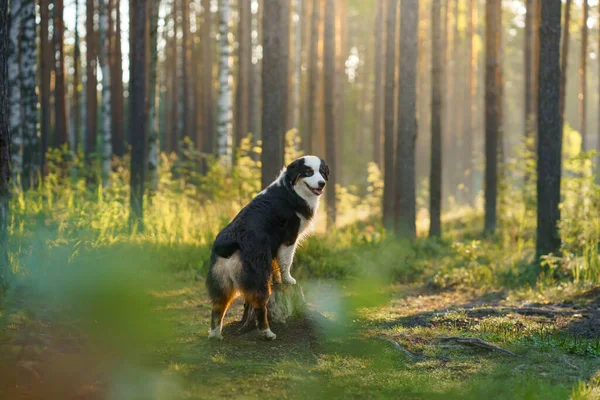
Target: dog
x=262, y=237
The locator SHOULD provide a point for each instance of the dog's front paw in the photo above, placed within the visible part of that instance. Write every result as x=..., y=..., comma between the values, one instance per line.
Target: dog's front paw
x=215, y=334
x=289, y=280
x=267, y=334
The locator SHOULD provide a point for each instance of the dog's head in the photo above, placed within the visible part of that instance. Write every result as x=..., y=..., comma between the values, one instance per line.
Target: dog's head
x=308, y=176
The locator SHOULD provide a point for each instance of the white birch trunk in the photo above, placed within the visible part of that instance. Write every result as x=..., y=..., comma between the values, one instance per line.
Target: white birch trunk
x=224, y=112
x=105, y=106
x=29, y=97
x=14, y=91
x=297, y=66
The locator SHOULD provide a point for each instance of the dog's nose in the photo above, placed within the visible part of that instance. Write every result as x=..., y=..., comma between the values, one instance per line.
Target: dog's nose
x=321, y=184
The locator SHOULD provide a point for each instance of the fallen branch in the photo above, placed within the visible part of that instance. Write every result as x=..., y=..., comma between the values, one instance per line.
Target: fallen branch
x=401, y=349
x=475, y=342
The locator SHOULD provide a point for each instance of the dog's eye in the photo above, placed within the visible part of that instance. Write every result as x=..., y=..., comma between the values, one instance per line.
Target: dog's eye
x=309, y=172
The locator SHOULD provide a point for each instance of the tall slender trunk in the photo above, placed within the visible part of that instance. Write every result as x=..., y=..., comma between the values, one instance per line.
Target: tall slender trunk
x=550, y=140
x=378, y=90
x=297, y=64
x=224, y=123
x=435, y=182
x=104, y=9
x=76, y=106
x=5, y=268
x=61, y=127
x=207, y=78
x=312, y=124
x=153, y=104
x=118, y=123
x=14, y=91
x=91, y=95
x=405, y=193
x=46, y=59
x=529, y=118
x=29, y=96
x=389, y=113
x=244, y=61
x=564, y=63
x=138, y=111
x=186, y=55
x=582, y=104
x=254, y=79
x=492, y=42
x=175, y=115
x=471, y=101
x=329, y=95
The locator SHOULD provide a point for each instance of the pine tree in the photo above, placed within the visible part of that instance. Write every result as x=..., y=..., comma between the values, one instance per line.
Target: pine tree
x=243, y=78
x=117, y=108
x=207, y=79
x=46, y=61
x=435, y=182
x=329, y=95
x=582, y=104
x=60, y=100
x=377, y=93
x=91, y=96
x=311, y=133
x=564, y=64
x=152, y=98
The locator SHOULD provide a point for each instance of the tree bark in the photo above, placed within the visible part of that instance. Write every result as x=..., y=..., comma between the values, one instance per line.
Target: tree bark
x=471, y=100
x=175, y=66
x=274, y=89
x=76, y=106
x=254, y=79
x=106, y=115
x=186, y=46
x=224, y=123
x=5, y=268
x=152, y=98
x=377, y=93
x=550, y=140
x=329, y=96
x=389, y=112
x=118, y=123
x=582, y=104
x=207, y=79
x=492, y=42
x=435, y=181
x=244, y=61
x=60, y=99
x=405, y=194
x=46, y=59
x=138, y=112
x=91, y=95
x=313, y=81
x=564, y=63
x=529, y=117
x=15, y=117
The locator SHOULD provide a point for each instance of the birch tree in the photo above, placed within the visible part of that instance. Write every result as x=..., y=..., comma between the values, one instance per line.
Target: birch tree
x=224, y=123
x=14, y=91
x=4, y=146
x=105, y=110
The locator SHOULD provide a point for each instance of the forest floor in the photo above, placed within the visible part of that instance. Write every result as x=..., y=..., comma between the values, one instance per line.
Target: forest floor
x=411, y=347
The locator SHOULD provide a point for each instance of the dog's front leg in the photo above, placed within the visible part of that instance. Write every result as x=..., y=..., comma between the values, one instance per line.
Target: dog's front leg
x=285, y=256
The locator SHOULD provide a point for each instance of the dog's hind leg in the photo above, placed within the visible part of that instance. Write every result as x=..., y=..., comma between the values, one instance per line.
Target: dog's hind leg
x=219, y=308
x=259, y=302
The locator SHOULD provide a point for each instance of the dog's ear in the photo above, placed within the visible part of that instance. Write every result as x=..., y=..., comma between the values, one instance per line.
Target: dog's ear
x=294, y=170
x=324, y=170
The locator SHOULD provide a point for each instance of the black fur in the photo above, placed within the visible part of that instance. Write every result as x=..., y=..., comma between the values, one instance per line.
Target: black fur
x=258, y=231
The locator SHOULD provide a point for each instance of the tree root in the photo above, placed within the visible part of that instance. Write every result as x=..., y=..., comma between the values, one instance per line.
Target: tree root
x=475, y=342
x=400, y=348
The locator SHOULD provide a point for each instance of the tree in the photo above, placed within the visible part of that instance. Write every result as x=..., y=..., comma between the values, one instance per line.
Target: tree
x=116, y=68
x=313, y=81
x=550, y=140
x=529, y=119
x=582, y=105
x=4, y=146
x=274, y=89
x=242, y=111
x=492, y=123
x=389, y=112
x=91, y=82
x=76, y=106
x=61, y=129
x=295, y=122
x=138, y=96
x=405, y=193
x=105, y=114
x=29, y=96
x=207, y=81
x=471, y=102
x=377, y=93
x=435, y=181
x=153, y=99
x=224, y=127
x=564, y=64
x=329, y=96
x=46, y=61
x=15, y=126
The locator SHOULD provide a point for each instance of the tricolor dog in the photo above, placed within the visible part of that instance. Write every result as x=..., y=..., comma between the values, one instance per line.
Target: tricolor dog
x=265, y=232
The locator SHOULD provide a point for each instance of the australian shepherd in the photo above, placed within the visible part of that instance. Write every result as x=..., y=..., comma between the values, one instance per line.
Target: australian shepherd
x=264, y=233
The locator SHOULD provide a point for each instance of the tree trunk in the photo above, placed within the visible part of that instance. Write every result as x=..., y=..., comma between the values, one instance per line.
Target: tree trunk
x=224, y=123
x=118, y=137
x=244, y=61
x=138, y=112
x=254, y=79
x=274, y=89
x=91, y=95
x=60, y=99
x=207, y=78
x=550, y=140
x=29, y=96
x=76, y=107
x=46, y=60
x=312, y=124
x=389, y=112
x=174, y=135
x=435, y=182
x=471, y=101
x=329, y=96
x=186, y=55
x=529, y=117
x=582, y=105
x=152, y=98
x=106, y=115
x=5, y=268
x=564, y=63
x=295, y=123
x=377, y=94
x=405, y=194
x=15, y=121
x=492, y=127
x=536, y=66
